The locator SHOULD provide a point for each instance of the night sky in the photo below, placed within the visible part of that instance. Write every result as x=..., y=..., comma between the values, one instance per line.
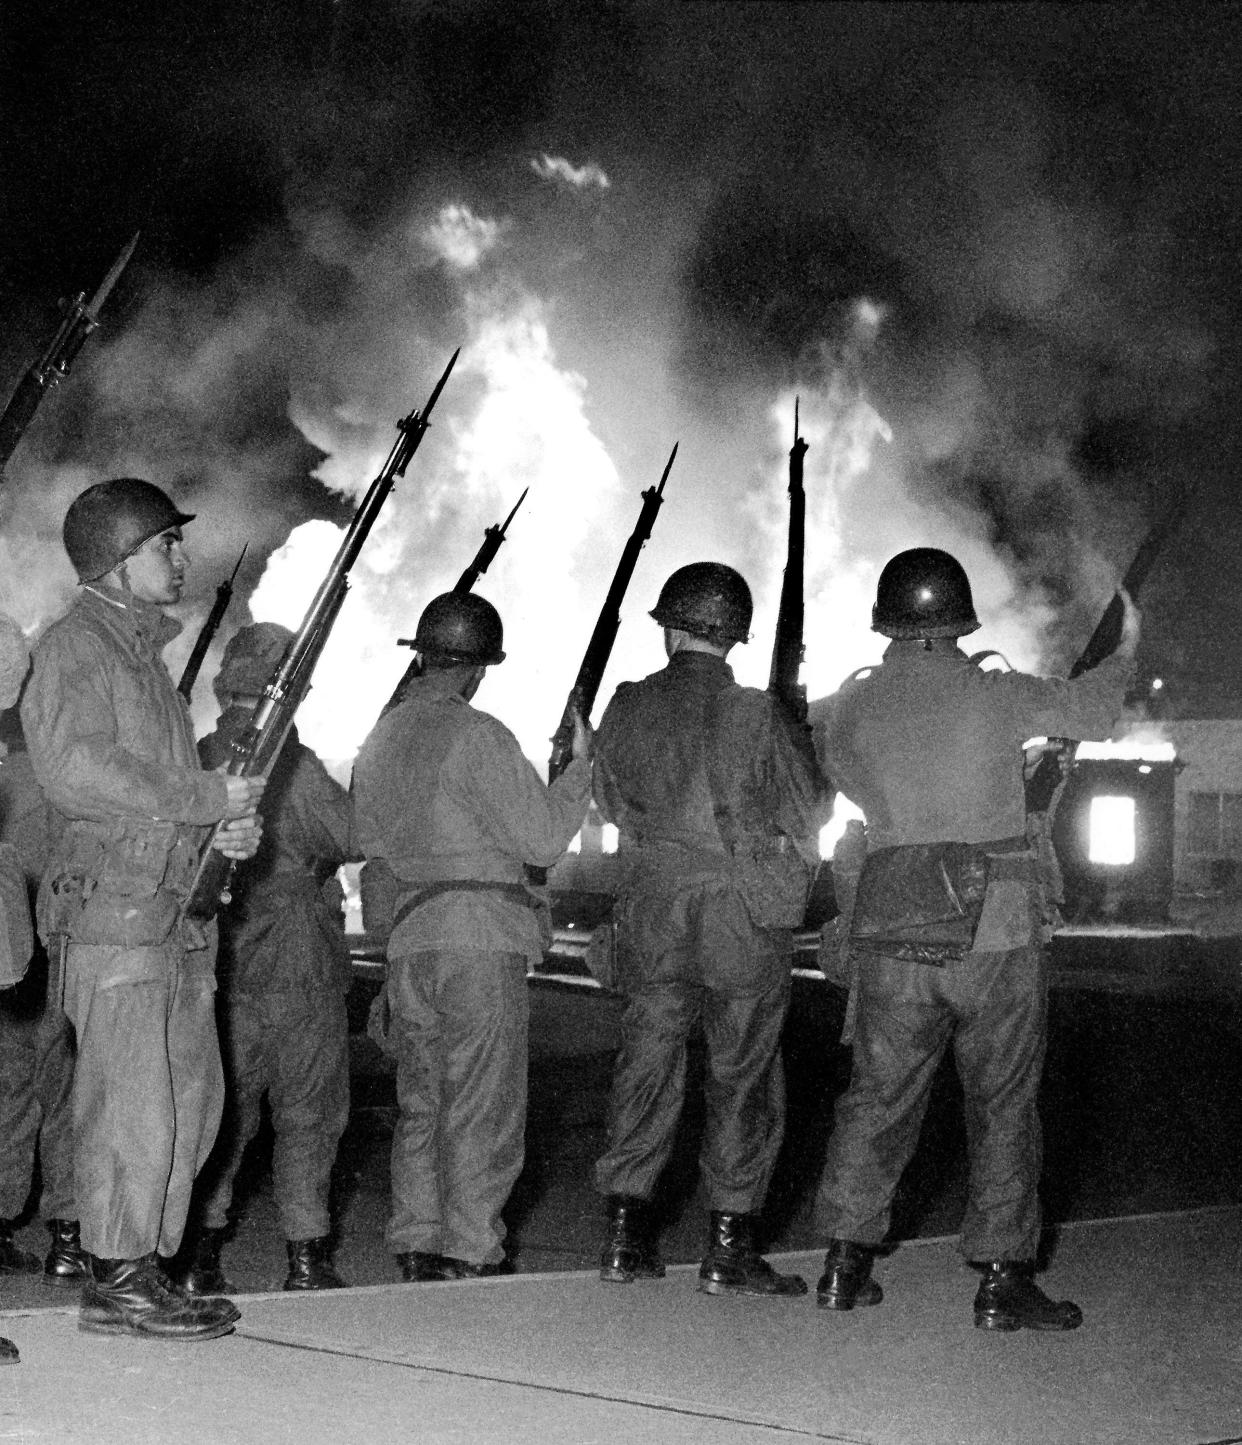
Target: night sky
x=994, y=249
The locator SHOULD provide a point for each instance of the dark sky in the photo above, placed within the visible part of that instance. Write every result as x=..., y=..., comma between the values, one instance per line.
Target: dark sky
x=1011, y=233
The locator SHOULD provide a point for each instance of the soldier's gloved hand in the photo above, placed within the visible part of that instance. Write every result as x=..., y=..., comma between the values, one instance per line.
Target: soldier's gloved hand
x=244, y=795
x=584, y=737
x=239, y=837
x=1131, y=624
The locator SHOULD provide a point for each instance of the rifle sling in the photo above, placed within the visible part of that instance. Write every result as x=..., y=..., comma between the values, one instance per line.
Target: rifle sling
x=518, y=892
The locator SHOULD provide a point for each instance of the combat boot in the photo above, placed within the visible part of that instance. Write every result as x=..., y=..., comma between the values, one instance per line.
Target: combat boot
x=204, y=1275
x=465, y=1269
x=8, y=1353
x=732, y=1265
x=13, y=1258
x=66, y=1262
x=629, y=1251
x=419, y=1267
x=1009, y=1299
x=846, y=1280
x=132, y=1297
x=310, y=1265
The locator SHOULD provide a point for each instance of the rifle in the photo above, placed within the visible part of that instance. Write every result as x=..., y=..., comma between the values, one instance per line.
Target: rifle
x=224, y=595
x=595, y=659
x=1052, y=768
x=493, y=536
x=255, y=752
x=80, y=318
x=788, y=649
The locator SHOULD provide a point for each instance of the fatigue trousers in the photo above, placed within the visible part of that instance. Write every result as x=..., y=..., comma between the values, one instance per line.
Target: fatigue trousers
x=293, y=1046
x=688, y=954
x=459, y=1027
x=147, y=1090
x=36, y=1083
x=993, y=1009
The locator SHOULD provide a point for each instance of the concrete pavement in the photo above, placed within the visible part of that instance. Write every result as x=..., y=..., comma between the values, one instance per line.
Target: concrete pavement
x=541, y=1359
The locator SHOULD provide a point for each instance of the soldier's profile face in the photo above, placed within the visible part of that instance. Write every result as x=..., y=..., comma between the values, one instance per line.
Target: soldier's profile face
x=156, y=571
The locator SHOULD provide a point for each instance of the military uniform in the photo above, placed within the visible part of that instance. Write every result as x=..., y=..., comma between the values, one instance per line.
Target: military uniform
x=677, y=755
x=36, y=1042
x=113, y=749
x=284, y=971
x=930, y=748
x=444, y=795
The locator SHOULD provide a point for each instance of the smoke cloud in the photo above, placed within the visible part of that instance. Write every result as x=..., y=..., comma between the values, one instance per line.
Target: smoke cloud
x=952, y=233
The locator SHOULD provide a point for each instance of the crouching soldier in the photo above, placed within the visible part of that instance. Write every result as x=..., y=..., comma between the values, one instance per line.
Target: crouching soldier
x=284, y=973
x=113, y=749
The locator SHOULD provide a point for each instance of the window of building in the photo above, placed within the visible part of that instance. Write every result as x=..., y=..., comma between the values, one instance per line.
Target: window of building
x=1215, y=825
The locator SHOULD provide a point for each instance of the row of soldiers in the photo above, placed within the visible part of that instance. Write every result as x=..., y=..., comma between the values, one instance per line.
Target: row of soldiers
x=719, y=800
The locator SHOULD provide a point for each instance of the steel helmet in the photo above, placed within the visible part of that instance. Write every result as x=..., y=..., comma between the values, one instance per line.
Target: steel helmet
x=708, y=600
x=460, y=627
x=923, y=593
x=251, y=657
x=111, y=520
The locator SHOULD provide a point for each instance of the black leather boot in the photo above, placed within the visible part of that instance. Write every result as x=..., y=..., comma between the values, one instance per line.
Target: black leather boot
x=132, y=1297
x=1009, y=1299
x=204, y=1274
x=8, y=1353
x=733, y=1266
x=66, y=1262
x=14, y=1259
x=310, y=1265
x=629, y=1251
x=846, y=1280
x=464, y=1269
x=420, y=1267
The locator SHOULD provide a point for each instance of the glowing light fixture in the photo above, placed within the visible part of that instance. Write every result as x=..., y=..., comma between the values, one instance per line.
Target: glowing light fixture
x=1111, y=830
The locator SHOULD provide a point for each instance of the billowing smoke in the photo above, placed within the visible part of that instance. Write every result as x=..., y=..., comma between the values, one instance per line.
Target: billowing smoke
x=642, y=224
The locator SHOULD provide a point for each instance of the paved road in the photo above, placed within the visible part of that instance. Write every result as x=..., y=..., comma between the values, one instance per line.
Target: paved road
x=1142, y=1109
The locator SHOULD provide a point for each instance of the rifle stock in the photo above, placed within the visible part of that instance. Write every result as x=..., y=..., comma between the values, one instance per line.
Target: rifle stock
x=591, y=672
x=256, y=750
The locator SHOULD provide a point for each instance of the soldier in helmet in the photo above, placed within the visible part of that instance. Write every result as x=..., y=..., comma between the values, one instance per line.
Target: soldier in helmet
x=719, y=803
x=283, y=975
x=36, y=1042
x=930, y=747
x=445, y=797
x=112, y=747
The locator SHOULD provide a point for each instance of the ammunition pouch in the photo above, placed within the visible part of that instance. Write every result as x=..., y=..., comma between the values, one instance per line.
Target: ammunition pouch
x=119, y=884
x=379, y=889
x=920, y=902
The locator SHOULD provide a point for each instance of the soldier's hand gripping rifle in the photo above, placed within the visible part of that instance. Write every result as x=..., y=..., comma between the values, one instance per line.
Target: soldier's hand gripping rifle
x=256, y=750
x=493, y=536
x=788, y=649
x=80, y=318
x=1050, y=771
x=599, y=649
x=194, y=664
